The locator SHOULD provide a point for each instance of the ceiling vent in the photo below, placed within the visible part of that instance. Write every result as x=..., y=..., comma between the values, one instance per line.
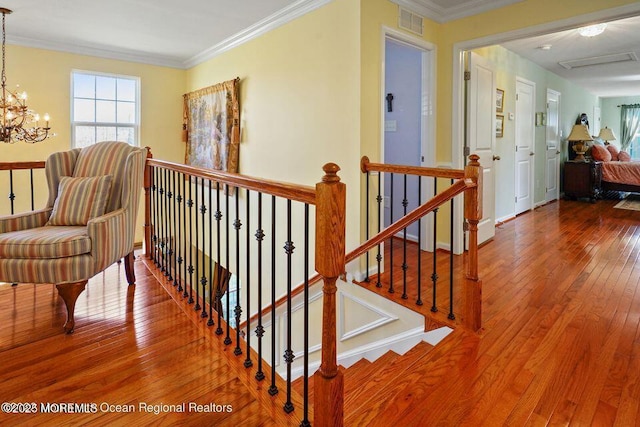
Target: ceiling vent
x=410, y=21
x=599, y=60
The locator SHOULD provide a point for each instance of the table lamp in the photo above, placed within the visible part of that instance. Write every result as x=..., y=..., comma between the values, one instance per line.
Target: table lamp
x=579, y=136
x=607, y=135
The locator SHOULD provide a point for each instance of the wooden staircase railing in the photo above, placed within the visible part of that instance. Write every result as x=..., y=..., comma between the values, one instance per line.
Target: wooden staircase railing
x=467, y=181
x=191, y=193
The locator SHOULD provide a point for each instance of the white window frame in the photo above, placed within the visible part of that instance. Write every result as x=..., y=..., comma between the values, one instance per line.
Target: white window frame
x=135, y=126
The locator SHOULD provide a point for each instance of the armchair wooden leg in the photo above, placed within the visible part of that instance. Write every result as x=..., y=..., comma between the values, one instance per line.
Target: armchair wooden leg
x=128, y=268
x=69, y=293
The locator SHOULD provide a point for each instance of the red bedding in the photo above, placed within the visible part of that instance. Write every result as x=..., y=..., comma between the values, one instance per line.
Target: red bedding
x=621, y=172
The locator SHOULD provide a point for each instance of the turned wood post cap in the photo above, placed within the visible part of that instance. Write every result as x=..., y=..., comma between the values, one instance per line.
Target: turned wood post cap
x=331, y=173
x=364, y=164
x=474, y=160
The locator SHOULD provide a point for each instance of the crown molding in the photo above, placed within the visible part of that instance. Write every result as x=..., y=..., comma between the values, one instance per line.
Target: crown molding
x=440, y=14
x=288, y=14
x=121, y=55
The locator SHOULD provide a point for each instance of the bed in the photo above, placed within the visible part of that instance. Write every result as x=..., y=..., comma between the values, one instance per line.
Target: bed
x=618, y=172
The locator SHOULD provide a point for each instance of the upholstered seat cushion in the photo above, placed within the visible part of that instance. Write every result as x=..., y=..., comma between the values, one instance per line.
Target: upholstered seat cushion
x=45, y=242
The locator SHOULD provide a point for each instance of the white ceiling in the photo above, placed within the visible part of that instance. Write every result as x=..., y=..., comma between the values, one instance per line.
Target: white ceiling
x=163, y=32
x=183, y=34
x=605, y=80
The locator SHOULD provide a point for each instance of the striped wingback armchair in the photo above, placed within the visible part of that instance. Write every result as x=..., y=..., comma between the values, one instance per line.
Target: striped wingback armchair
x=87, y=225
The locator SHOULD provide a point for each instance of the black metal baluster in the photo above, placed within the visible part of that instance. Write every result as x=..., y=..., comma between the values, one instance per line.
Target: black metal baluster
x=158, y=226
x=259, y=329
x=169, y=230
x=288, y=353
x=179, y=228
x=12, y=196
x=379, y=254
x=31, y=180
x=434, y=274
x=451, y=315
x=391, y=239
x=305, y=393
x=154, y=219
x=419, y=300
x=190, y=269
x=175, y=244
x=219, y=267
x=185, y=202
x=163, y=220
x=197, y=246
x=210, y=322
x=156, y=210
x=247, y=362
x=405, y=203
x=273, y=389
x=227, y=339
x=203, y=278
x=237, y=311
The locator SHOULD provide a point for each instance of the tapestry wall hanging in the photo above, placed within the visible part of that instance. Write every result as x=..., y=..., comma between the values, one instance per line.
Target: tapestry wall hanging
x=211, y=126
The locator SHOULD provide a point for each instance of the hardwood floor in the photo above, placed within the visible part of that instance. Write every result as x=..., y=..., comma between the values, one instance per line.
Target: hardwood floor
x=133, y=346
x=560, y=343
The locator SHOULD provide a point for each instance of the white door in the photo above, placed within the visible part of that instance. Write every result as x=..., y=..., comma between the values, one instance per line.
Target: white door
x=525, y=132
x=552, y=169
x=481, y=101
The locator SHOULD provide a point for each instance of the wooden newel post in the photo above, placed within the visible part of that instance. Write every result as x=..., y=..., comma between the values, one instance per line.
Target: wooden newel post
x=330, y=264
x=148, y=179
x=472, y=310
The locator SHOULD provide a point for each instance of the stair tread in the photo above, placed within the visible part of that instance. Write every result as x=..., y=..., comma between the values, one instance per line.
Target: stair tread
x=386, y=374
x=432, y=367
x=355, y=376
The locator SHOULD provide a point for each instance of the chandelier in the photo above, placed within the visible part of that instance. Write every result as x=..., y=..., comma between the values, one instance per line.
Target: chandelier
x=18, y=122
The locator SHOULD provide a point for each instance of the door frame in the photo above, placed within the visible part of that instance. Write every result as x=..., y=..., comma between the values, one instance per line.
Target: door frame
x=428, y=121
x=457, y=107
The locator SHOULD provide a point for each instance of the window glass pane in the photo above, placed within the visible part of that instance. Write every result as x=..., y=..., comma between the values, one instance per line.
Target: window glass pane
x=126, y=112
x=125, y=135
x=107, y=100
x=105, y=133
x=84, y=110
x=105, y=87
x=84, y=86
x=126, y=90
x=106, y=111
x=84, y=136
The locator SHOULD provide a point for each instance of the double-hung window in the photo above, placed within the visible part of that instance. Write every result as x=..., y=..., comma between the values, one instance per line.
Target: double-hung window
x=104, y=107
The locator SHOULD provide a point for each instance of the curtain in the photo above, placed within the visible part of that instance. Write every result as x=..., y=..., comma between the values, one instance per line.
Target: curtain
x=211, y=126
x=629, y=124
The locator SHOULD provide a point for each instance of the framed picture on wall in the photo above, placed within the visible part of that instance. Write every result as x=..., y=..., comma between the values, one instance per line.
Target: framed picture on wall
x=499, y=100
x=499, y=125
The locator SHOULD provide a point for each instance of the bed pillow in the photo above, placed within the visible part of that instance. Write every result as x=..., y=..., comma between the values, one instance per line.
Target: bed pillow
x=80, y=199
x=600, y=154
x=623, y=156
x=614, y=151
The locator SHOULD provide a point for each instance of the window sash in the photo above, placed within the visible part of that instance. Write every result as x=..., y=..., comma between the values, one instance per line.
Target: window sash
x=118, y=99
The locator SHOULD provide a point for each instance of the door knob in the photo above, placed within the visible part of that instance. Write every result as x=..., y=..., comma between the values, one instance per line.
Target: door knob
x=557, y=152
x=496, y=157
x=531, y=154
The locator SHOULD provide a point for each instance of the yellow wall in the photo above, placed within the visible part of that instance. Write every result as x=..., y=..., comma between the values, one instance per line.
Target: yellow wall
x=46, y=76
x=300, y=99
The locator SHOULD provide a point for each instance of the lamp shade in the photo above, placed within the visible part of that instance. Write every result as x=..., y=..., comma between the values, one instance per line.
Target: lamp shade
x=607, y=134
x=579, y=133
